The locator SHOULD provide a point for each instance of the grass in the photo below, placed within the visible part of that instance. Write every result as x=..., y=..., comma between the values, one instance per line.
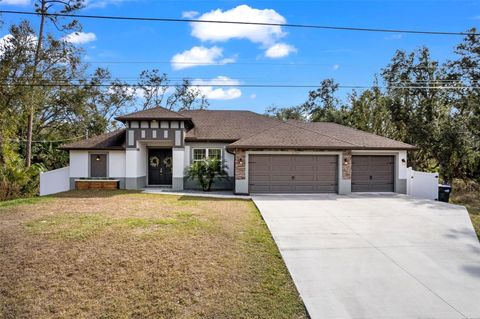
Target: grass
x=468, y=194
x=118, y=254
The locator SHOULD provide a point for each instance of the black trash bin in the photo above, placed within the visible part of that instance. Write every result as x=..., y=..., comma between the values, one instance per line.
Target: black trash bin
x=444, y=193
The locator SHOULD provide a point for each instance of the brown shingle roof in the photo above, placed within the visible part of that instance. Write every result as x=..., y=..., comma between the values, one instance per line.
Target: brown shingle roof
x=110, y=141
x=156, y=113
x=229, y=126
x=319, y=135
x=251, y=130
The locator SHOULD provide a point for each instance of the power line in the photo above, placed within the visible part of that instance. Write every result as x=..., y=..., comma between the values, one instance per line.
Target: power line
x=44, y=141
x=290, y=25
x=243, y=86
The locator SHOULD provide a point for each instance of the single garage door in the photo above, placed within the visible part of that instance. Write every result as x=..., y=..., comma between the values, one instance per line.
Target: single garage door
x=372, y=173
x=293, y=173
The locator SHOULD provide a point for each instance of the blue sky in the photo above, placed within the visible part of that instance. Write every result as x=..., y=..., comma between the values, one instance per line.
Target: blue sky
x=261, y=55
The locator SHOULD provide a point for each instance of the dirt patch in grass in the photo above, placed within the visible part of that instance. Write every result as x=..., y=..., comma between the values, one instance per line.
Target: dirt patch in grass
x=125, y=254
x=468, y=193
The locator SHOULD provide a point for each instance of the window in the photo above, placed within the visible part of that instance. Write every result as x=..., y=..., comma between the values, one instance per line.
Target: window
x=215, y=153
x=199, y=154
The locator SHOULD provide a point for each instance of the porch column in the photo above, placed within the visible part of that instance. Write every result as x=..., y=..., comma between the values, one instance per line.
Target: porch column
x=178, y=163
x=345, y=180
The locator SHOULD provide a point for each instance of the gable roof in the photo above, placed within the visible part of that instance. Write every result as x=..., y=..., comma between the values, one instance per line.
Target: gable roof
x=249, y=130
x=110, y=141
x=227, y=126
x=156, y=113
x=317, y=135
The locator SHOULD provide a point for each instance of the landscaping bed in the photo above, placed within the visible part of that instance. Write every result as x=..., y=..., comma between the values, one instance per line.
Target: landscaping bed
x=119, y=254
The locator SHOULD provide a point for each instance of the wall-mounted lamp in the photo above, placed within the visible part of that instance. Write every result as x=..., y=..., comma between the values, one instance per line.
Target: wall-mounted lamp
x=240, y=161
x=97, y=158
x=345, y=161
x=403, y=160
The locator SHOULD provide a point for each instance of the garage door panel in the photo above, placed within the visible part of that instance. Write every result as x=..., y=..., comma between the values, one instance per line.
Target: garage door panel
x=312, y=173
x=372, y=173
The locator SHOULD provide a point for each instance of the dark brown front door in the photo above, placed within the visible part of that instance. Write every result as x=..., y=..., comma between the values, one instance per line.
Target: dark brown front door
x=159, y=166
x=292, y=173
x=372, y=173
x=98, y=165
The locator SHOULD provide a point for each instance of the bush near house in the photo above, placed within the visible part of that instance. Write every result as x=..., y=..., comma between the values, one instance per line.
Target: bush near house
x=206, y=171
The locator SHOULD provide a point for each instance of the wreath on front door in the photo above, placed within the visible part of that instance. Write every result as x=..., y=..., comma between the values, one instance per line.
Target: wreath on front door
x=154, y=161
x=167, y=162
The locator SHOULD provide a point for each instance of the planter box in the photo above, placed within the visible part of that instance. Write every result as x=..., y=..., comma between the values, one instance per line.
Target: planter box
x=96, y=184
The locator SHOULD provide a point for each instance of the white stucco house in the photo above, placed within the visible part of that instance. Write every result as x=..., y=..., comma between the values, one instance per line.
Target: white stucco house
x=263, y=154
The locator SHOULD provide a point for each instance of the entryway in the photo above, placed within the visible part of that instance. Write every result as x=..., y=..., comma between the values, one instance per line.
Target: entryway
x=159, y=166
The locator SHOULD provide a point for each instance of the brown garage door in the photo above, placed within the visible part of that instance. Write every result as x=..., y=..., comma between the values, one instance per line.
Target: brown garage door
x=292, y=174
x=372, y=173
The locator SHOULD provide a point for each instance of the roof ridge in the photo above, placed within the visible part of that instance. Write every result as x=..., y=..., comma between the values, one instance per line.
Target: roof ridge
x=335, y=138
x=364, y=132
x=260, y=132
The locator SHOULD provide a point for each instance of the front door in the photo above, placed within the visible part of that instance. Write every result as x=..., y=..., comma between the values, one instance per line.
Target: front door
x=159, y=166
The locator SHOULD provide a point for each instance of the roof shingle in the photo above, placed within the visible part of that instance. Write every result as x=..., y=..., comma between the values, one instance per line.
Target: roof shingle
x=156, y=113
x=109, y=141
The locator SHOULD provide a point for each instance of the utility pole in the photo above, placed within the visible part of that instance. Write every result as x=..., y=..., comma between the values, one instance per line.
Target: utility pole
x=36, y=61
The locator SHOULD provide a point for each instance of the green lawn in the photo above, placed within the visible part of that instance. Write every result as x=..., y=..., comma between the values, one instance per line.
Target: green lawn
x=470, y=197
x=124, y=254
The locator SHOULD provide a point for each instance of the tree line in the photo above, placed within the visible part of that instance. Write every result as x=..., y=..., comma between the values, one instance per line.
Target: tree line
x=415, y=99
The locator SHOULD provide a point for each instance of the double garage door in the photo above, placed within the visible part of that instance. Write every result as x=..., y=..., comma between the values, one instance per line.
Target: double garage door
x=317, y=173
x=293, y=173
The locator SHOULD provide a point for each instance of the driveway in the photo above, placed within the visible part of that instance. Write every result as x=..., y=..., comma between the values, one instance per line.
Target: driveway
x=377, y=256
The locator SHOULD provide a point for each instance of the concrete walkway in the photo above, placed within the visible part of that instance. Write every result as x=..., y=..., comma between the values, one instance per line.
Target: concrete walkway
x=377, y=256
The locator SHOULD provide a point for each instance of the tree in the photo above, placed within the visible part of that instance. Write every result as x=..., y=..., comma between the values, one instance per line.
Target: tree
x=285, y=113
x=45, y=7
x=156, y=89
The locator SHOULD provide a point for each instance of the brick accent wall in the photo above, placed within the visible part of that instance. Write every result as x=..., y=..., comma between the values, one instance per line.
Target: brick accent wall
x=347, y=166
x=240, y=164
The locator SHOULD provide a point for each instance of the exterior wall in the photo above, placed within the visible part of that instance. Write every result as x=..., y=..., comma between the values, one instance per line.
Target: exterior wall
x=178, y=161
x=345, y=167
x=79, y=164
x=136, y=167
x=169, y=136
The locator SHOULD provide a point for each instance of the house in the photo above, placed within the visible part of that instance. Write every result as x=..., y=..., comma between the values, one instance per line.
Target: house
x=263, y=154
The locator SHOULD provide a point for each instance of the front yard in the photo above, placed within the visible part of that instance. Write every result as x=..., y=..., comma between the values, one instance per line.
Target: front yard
x=468, y=195
x=124, y=254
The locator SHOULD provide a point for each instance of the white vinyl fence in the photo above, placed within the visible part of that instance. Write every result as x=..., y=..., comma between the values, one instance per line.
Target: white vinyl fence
x=422, y=185
x=55, y=181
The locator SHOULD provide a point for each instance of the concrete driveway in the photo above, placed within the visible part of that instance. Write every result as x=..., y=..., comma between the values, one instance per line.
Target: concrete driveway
x=377, y=256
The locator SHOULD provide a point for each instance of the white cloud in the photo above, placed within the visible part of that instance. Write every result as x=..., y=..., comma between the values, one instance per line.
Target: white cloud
x=253, y=96
x=396, y=36
x=91, y=4
x=80, y=37
x=213, y=92
x=15, y=2
x=335, y=67
x=5, y=42
x=189, y=14
x=198, y=56
x=265, y=35
x=279, y=50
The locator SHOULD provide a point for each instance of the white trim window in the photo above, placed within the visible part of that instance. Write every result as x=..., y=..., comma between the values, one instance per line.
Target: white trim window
x=200, y=154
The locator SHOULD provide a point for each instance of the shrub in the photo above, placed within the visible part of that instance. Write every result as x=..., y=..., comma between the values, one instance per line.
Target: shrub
x=17, y=180
x=206, y=171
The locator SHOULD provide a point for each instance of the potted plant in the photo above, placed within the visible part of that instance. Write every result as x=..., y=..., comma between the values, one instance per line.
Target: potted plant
x=205, y=172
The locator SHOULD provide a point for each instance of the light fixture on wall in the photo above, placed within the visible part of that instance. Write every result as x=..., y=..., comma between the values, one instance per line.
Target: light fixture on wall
x=403, y=160
x=345, y=161
x=240, y=161
x=97, y=158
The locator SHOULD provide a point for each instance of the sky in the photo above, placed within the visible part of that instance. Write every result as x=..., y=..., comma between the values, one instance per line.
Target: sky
x=235, y=55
